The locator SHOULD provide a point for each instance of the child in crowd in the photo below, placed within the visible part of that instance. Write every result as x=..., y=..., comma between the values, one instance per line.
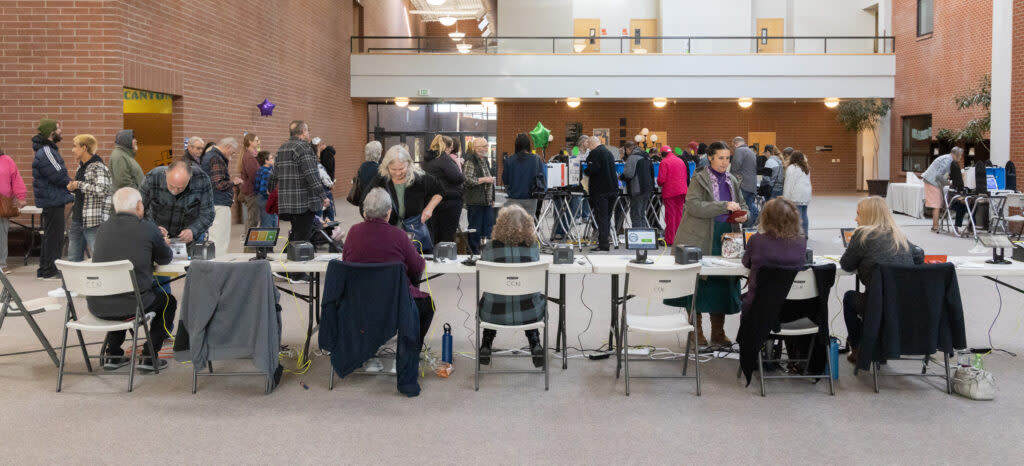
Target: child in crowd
x=260, y=182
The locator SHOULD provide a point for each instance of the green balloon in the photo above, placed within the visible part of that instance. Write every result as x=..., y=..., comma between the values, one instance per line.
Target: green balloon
x=576, y=150
x=678, y=150
x=540, y=136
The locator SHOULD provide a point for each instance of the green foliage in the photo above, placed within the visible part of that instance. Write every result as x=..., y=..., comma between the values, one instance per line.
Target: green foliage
x=861, y=114
x=947, y=135
x=974, y=131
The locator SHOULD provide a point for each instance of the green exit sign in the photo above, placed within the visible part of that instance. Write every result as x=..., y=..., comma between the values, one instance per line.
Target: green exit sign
x=424, y=92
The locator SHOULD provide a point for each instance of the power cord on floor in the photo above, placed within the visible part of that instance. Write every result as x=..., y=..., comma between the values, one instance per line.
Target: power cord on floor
x=994, y=320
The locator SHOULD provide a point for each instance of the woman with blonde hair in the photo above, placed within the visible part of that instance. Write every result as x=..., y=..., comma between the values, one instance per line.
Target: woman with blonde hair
x=92, y=190
x=877, y=239
x=414, y=194
x=515, y=241
x=438, y=163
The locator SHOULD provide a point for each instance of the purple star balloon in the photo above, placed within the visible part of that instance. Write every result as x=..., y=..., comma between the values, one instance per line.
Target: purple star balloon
x=266, y=108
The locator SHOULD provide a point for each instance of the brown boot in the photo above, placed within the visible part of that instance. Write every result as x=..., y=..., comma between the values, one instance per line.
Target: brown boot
x=718, y=337
x=852, y=357
x=701, y=341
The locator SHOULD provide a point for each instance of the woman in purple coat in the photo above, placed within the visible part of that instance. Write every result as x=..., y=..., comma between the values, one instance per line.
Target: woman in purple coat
x=779, y=242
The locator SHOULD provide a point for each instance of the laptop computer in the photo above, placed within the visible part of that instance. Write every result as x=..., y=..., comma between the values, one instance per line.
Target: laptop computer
x=747, y=233
x=847, y=235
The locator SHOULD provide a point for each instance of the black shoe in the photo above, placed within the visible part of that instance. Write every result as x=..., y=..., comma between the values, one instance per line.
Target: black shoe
x=146, y=364
x=533, y=336
x=277, y=375
x=485, y=346
x=115, y=362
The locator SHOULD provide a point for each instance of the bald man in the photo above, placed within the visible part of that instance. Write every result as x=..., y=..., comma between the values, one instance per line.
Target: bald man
x=178, y=198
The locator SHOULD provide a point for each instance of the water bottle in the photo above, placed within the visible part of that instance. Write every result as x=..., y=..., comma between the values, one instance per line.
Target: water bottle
x=446, y=344
x=833, y=349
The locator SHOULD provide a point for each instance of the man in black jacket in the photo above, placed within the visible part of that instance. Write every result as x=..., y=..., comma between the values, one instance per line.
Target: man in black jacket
x=639, y=176
x=603, y=189
x=128, y=235
x=49, y=184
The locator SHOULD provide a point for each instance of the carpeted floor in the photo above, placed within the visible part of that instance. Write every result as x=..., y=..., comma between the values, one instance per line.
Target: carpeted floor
x=583, y=418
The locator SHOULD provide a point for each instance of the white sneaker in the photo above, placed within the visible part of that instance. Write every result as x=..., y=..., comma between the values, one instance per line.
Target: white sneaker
x=279, y=276
x=373, y=365
x=394, y=366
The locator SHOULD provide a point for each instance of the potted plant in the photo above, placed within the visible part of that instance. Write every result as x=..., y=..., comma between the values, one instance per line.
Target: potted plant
x=861, y=115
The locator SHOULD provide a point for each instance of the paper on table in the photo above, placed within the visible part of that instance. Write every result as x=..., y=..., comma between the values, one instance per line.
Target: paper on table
x=326, y=257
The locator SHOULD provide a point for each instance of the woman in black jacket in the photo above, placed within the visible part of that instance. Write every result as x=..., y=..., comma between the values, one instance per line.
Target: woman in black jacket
x=413, y=192
x=442, y=167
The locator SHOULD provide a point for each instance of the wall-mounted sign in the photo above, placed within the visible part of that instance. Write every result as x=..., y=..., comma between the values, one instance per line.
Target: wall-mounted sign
x=827, y=148
x=136, y=101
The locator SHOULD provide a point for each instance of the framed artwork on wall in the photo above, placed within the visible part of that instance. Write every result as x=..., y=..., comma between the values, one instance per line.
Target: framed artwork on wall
x=603, y=134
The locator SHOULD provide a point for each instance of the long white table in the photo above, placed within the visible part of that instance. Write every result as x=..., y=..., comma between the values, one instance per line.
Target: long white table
x=905, y=198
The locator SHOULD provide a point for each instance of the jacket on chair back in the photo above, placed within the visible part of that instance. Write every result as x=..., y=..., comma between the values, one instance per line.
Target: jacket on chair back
x=921, y=313
x=364, y=305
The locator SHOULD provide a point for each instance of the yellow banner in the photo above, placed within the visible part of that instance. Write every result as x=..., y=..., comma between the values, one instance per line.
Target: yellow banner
x=136, y=101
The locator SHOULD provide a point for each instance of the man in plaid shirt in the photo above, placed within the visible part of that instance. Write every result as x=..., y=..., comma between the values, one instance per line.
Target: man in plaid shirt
x=178, y=198
x=300, y=194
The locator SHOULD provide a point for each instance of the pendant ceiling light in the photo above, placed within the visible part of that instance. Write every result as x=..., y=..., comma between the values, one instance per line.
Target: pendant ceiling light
x=402, y=101
x=832, y=102
x=573, y=102
x=446, y=20
x=435, y=2
x=660, y=102
x=745, y=102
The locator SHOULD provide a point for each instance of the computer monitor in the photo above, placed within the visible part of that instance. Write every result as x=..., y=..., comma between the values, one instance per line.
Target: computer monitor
x=641, y=240
x=262, y=239
x=846, y=234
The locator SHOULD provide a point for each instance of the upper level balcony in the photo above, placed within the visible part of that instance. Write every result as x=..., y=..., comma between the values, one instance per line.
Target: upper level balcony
x=680, y=67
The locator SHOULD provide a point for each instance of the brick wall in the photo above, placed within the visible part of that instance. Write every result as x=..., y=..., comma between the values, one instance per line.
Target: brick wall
x=1017, y=89
x=931, y=70
x=70, y=60
x=802, y=126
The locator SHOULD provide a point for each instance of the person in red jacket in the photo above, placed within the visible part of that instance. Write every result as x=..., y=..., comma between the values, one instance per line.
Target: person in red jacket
x=11, y=185
x=673, y=176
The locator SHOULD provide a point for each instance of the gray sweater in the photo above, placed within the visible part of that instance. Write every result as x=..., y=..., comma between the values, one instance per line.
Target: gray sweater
x=865, y=252
x=230, y=312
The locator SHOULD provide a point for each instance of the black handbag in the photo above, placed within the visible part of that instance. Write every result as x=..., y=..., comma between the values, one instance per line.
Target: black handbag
x=355, y=192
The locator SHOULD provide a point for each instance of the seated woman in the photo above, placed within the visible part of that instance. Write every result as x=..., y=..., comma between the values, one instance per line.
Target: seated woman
x=514, y=241
x=779, y=242
x=877, y=239
x=376, y=241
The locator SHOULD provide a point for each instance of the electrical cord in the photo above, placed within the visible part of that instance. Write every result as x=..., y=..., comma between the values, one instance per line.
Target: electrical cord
x=999, y=311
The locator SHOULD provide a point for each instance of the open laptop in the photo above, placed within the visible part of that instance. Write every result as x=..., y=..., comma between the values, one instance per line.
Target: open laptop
x=847, y=235
x=747, y=233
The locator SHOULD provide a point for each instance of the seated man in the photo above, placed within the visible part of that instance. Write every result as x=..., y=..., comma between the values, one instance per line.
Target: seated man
x=178, y=198
x=127, y=235
x=376, y=241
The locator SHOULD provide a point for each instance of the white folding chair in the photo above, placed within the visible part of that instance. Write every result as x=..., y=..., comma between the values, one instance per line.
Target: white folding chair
x=1015, y=200
x=657, y=283
x=102, y=279
x=13, y=306
x=804, y=287
x=502, y=279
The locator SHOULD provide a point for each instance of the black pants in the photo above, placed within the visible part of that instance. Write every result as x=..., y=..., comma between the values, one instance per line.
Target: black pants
x=158, y=327
x=302, y=226
x=852, y=311
x=53, y=241
x=600, y=203
x=445, y=221
x=426, y=308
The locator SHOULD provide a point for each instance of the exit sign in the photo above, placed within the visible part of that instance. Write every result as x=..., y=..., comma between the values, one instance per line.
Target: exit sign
x=424, y=92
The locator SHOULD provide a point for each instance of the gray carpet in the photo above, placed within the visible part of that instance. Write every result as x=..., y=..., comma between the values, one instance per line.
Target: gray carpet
x=584, y=418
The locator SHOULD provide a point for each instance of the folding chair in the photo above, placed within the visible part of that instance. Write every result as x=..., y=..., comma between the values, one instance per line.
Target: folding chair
x=102, y=279
x=13, y=306
x=948, y=221
x=502, y=279
x=1015, y=200
x=804, y=287
x=657, y=283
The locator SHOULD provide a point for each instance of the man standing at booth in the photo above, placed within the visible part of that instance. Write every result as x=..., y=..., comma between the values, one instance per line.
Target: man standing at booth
x=178, y=198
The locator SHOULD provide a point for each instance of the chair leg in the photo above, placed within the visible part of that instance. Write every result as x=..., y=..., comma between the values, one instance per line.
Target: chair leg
x=828, y=371
x=85, y=352
x=330, y=380
x=154, y=352
x=195, y=379
x=545, y=353
x=63, y=356
x=135, y=356
x=686, y=357
x=760, y=369
x=810, y=353
x=476, y=373
x=209, y=365
x=874, y=374
x=696, y=359
x=42, y=338
x=949, y=384
x=625, y=354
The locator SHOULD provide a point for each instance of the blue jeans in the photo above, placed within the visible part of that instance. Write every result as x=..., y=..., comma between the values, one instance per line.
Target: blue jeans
x=481, y=219
x=638, y=210
x=752, y=211
x=803, y=218
x=78, y=238
x=266, y=220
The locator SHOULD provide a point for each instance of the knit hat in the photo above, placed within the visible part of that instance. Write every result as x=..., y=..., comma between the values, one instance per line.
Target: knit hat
x=693, y=145
x=47, y=127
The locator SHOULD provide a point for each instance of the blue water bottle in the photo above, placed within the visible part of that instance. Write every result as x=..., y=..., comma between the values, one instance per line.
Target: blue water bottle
x=446, y=344
x=833, y=348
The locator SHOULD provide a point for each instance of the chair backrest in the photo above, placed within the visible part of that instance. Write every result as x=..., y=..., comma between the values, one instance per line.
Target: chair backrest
x=98, y=278
x=512, y=279
x=658, y=282
x=804, y=286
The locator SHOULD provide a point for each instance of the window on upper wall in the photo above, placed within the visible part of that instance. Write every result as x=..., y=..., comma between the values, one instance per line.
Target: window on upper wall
x=917, y=142
x=925, y=17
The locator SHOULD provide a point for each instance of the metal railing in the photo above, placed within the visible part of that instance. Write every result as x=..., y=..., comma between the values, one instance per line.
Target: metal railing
x=708, y=45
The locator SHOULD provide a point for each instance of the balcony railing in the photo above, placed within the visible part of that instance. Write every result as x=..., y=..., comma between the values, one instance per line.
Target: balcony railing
x=669, y=45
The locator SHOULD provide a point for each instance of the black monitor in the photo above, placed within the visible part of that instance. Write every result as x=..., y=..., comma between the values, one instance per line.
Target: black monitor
x=641, y=240
x=263, y=240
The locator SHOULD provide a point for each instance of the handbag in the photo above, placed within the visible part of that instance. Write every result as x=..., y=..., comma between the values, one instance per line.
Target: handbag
x=354, y=192
x=8, y=207
x=419, y=232
x=974, y=383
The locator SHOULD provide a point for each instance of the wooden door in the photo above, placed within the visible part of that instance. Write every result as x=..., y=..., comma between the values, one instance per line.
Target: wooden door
x=644, y=28
x=587, y=27
x=769, y=27
x=760, y=139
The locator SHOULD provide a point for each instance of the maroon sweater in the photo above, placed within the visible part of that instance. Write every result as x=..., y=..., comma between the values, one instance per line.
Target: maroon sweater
x=763, y=250
x=376, y=241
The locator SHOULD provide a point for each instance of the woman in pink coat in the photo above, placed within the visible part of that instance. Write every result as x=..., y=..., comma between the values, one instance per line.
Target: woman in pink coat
x=673, y=176
x=11, y=185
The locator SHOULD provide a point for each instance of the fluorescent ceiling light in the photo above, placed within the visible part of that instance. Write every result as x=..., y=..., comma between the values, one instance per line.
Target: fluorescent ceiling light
x=446, y=20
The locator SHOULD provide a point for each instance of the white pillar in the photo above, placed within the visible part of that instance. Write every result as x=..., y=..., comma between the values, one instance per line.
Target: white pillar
x=1002, y=73
x=884, y=131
